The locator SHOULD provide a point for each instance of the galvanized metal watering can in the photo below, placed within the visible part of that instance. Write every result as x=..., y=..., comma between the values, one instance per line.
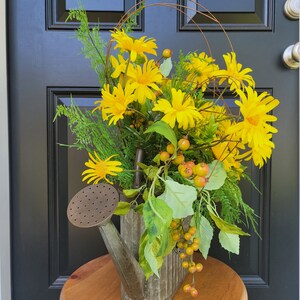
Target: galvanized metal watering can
x=94, y=206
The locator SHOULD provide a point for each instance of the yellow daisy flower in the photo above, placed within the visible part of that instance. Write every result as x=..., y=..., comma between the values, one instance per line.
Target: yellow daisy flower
x=119, y=65
x=234, y=74
x=228, y=150
x=261, y=153
x=98, y=169
x=254, y=130
x=227, y=154
x=114, y=104
x=201, y=68
x=254, y=109
x=181, y=110
x=134, y=46
x=144, y=80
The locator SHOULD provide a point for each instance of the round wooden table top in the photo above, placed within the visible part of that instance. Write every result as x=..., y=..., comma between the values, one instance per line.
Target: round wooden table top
x=99, y=280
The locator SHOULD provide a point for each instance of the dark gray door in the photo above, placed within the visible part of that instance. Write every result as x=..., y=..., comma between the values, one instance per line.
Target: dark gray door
x=45, y=68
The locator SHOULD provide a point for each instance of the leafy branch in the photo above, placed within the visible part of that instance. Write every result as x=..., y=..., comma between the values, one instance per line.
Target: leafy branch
x=93, y=46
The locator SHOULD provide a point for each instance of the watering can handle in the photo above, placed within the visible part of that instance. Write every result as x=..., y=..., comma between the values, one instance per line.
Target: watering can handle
x=131, y=274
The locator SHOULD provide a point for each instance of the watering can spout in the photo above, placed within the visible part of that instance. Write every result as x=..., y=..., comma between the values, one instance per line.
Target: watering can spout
x=128, y=268
x=94, y=206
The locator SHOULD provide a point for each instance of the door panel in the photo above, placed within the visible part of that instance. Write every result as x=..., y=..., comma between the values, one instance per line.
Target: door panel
x=104, y=13
x=45, y=69
x=233, y=15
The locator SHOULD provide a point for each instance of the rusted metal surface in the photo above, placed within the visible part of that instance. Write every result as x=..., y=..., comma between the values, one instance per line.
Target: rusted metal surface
x=92, y=206
x=171, y=273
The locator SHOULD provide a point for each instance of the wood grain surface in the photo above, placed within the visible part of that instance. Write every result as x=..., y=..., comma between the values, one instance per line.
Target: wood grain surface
x=98, y=280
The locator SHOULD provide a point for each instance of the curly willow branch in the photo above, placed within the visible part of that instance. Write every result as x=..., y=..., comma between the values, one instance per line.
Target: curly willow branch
x=180, y=8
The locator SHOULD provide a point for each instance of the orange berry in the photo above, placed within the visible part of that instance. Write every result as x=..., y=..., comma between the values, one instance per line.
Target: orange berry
x=190, y=164
x=176, y=237
x=171, y=149
x=199, y=181
x=201, y=169
x=187, y=236
x=181, y=167
x=195, y=246
x=189, y=251
x=199, y=267
x=167, y=53
x=174, y=224
x=185, y=264
x=184, y=144
x=192, y=269
x=192, y=230
x=195, y=240
x=164, y=155
x=185, y=172
x=178, y=160
x=194, y=293
x=187, y=288
x=182, y=255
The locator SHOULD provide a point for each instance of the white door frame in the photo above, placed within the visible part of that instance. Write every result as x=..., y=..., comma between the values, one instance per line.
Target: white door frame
x=5, y=272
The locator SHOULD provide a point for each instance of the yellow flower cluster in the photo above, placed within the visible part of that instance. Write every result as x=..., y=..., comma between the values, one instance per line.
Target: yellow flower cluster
x=138, y=89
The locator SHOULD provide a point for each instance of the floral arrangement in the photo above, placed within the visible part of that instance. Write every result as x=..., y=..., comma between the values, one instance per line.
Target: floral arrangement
x=195, y=145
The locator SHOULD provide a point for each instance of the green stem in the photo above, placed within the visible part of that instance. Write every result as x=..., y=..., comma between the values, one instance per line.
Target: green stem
x=152, y=187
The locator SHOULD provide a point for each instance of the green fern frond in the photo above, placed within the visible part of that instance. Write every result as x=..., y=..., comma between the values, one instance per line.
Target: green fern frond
x=93, y=46
x=232, y=206
x=92, y=134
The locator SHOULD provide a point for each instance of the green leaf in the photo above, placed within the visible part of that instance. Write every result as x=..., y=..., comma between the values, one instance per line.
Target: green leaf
x=145, y=195
x=139, y=208
x=151, y=258
x=216, y=176
x=156, y=159
x=122, y=209
x=225, y=226
x=204, y=234
x=164, y=129
x=230, y=242
x=148, y=258
x=167, y=243
x=142, y=166
x=142, y=260
x=131, y=193
x=150, y=171
x=166, y=67
x=179, y=198
x=157, y=217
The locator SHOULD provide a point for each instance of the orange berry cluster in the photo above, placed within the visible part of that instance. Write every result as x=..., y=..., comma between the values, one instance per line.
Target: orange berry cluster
x=189, y=168
x=188, y=244
x=197, y=171
x=188, y=288
x=183, y=144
